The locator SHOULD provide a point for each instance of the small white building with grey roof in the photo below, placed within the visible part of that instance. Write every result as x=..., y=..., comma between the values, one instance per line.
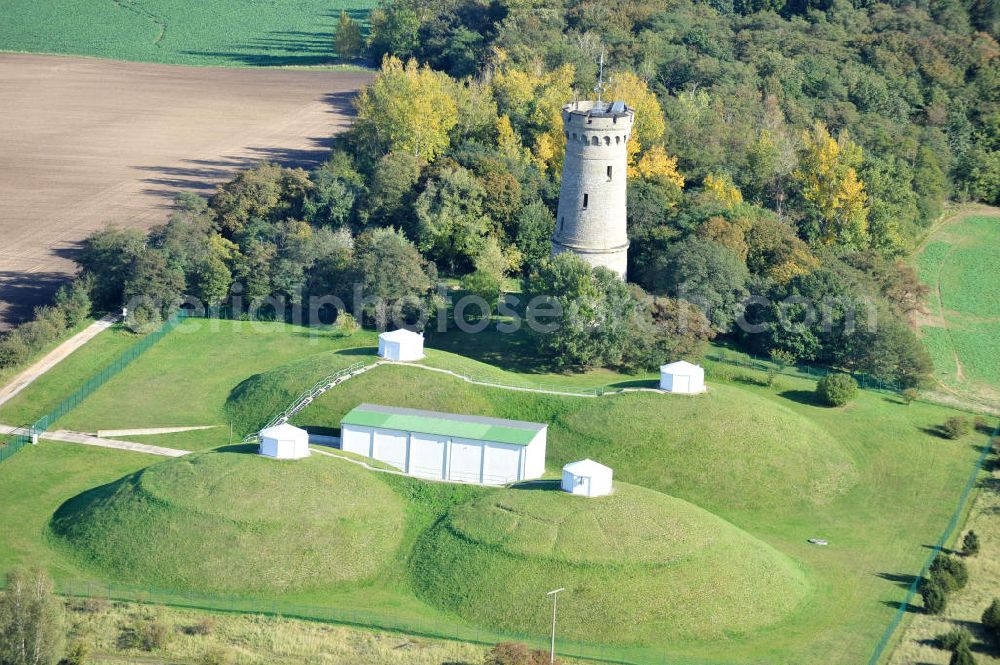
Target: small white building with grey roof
x=446, y=446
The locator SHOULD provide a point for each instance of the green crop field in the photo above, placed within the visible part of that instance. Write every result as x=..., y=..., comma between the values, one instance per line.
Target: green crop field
x=961, y=265
x=212, y=32
x=701, y=554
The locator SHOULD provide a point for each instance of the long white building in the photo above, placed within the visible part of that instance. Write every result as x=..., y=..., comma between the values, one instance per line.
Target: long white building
x=446, y=446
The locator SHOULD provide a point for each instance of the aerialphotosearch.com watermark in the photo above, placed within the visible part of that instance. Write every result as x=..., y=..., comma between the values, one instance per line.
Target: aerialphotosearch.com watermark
x=541, y=314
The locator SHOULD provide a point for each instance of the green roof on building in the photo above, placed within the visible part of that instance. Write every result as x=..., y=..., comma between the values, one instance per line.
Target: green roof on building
x=514, y=432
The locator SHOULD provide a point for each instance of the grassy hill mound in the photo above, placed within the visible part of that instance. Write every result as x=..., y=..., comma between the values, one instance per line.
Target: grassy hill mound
x=638, y=566
x=257, y=399
x=728, y=450
x=231, y=521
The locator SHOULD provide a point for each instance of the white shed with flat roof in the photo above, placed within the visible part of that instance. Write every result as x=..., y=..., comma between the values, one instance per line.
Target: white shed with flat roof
x=586, y=478
x=402, y=345
x=446, y=446
x=284, y=441
x=682, y=377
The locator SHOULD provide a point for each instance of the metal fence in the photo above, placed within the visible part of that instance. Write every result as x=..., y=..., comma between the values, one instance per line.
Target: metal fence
x=750, y=361
x=444, y=629
x=26, y=433
x=432, y=627
x=882, y=648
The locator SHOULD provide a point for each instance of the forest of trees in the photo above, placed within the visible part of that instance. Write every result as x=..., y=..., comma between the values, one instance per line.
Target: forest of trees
x=786, y=155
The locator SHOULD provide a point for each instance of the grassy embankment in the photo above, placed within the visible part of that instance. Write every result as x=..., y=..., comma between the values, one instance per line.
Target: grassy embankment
x=872, y=478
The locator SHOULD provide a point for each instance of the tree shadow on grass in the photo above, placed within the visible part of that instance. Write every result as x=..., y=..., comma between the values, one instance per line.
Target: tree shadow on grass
x=806, y=397
x=903, y=580
x=283, y=48
x=513, y=352
x=896, y=605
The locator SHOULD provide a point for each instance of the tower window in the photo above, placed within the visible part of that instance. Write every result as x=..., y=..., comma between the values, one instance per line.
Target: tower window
x=609, y=173
x=607, y=140
x=586, y=200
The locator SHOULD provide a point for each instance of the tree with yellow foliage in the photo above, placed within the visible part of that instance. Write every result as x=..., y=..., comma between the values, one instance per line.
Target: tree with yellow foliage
x=407, y=108
x=720, y=188
x=649, y=123
x=532, y=101
x=657, y=166
x=829, y=184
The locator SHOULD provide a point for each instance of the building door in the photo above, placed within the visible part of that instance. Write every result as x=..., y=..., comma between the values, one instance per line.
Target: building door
x=466, y=462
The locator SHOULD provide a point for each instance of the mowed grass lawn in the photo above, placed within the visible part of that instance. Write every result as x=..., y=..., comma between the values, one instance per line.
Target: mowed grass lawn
x=186, y=378
x=212, y=32
x=961, y=265
x=871, y=478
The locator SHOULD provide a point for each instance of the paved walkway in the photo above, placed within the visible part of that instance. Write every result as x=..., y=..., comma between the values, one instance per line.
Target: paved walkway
x=67, y=436
x=150, y=431
x=54, y=357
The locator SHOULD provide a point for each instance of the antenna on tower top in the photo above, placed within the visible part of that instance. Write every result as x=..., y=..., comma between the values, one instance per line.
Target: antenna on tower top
x=599, y=88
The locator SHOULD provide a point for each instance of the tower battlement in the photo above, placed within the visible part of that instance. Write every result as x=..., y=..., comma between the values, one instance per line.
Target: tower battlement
x=591, y=220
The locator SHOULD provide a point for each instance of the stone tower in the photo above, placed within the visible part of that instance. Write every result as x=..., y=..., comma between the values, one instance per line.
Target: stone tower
x=592, y=202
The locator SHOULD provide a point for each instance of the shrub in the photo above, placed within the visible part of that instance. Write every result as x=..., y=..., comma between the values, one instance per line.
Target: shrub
x=950, y=572
x=217, y=656
x=962, y=656
x=782, y=358
x=991, y=619
x=954, y=639
x=910, y=395
x=970, y=544
x=515, y=653
x=836, y=389
x=347, y=324
x=203, y=627
x=78, y=653
x=935, y=597
x=14, y=349
x=983, y=425
x=956, y=427
x=145, y=634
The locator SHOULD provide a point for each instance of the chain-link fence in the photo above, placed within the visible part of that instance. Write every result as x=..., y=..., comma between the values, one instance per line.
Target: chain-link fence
x=889, y=636
x=750, y=361
x=24, y=435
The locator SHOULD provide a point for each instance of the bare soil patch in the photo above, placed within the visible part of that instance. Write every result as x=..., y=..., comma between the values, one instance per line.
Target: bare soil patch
x=86, y=142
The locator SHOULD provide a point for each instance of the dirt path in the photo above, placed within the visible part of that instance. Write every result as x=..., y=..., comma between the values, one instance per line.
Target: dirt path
x=53, y=357
x=87, y=142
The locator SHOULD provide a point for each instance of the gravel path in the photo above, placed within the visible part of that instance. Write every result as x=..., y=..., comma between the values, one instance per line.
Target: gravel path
x=53, y=357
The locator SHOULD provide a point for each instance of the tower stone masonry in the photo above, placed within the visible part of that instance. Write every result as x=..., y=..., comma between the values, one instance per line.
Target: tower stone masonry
x=592, y=201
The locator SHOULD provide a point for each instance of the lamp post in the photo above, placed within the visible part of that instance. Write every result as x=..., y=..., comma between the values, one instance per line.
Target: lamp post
x=555, y=597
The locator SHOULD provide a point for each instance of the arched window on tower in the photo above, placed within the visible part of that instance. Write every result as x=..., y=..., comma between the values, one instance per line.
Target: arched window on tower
x=595, y=141
x=609, y=172
x=607, y=140
x=586, y=200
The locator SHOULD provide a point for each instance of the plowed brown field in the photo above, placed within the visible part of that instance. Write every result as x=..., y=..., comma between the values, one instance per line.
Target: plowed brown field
x=87, y=142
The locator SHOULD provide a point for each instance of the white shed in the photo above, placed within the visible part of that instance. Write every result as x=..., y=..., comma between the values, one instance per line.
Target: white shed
x=402, y=344
x=586, y=478
x=446, y=446
x=284, y=441
x=682, y=377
